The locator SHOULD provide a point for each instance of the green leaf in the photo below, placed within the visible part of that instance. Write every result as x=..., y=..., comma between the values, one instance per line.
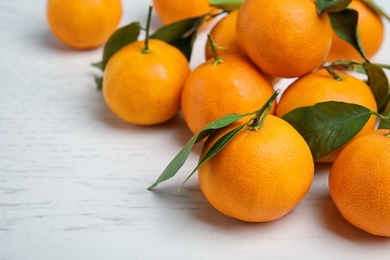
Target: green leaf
x=384, y=66
x=99, y=82
x=99, y=65
x=379, y=84
x=326, y=6
x=181, y=34
x=384, y=123
x=360, y=68
x=215, y=149
x=179, y=160
x=376, y=8
x=345, y=24
x=117, y=40
x=327, y=126
x=226, y=5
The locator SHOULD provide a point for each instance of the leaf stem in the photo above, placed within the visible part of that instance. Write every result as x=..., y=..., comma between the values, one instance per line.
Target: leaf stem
x=146, y=49
x=329, y=67
x=343, y=64
x=263, y=112
x=217, y=59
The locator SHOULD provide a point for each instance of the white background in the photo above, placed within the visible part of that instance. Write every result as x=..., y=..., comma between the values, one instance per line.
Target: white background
x=73, y=176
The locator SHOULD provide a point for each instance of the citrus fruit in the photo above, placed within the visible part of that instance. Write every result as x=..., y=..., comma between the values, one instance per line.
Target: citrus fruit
x=214, y=90
x=83, y=24
x=320, y=86
x=224, y=35
x=170, y=11
x=259, y=175
x=284, y=38
x=144, y=88
x=359, y=182
x=371, y=32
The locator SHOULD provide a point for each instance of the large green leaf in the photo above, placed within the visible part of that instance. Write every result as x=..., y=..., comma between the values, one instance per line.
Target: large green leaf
x=345, y=24
x=327, y=126
x=379, y=84
x=121, y=37
x=325, y=6
x=179, y=160
x=226, y=5
x=181, y=34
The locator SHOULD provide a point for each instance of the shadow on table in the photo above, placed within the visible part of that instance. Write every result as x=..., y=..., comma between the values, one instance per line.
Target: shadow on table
x=47, y=40
x=192, y=203
x=335, y=222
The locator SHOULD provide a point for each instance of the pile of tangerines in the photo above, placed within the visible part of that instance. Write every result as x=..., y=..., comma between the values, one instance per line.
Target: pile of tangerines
x=259, y=152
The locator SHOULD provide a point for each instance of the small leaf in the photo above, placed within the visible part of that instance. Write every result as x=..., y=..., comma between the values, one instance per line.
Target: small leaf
x=99, y=82
x=384, y=66
x=99, y=65
x=345, y=24
x=117, y=40
x=179, y=160
x=181, y=34
x=325, y=6
x=384, y=123
x=379, y=84
x=360, y=68
x=226, y=5
x=215, y=149
x=327, y=126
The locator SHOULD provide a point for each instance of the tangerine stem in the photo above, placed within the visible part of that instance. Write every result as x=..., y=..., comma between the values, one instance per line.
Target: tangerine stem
x=263, y=111
x=217, y=59
x=146, y=48
x=329, y=67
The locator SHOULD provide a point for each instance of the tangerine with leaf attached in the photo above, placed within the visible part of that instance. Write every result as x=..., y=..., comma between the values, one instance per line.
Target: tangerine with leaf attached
x=144, y=87
x=371, y=32
x=261, y=174
x=320, y=86
x=213, y=90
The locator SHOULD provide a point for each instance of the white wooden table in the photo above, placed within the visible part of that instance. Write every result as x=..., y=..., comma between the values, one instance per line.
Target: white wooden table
x=73, y=176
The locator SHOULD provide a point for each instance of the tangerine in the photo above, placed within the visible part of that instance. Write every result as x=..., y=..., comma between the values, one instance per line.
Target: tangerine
x=359, y=182
x=170, y=11
x=213, y=90
x=259, y=175
x=284, y=38
x=144, y=87
x=83, y=24
x=224, y=35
